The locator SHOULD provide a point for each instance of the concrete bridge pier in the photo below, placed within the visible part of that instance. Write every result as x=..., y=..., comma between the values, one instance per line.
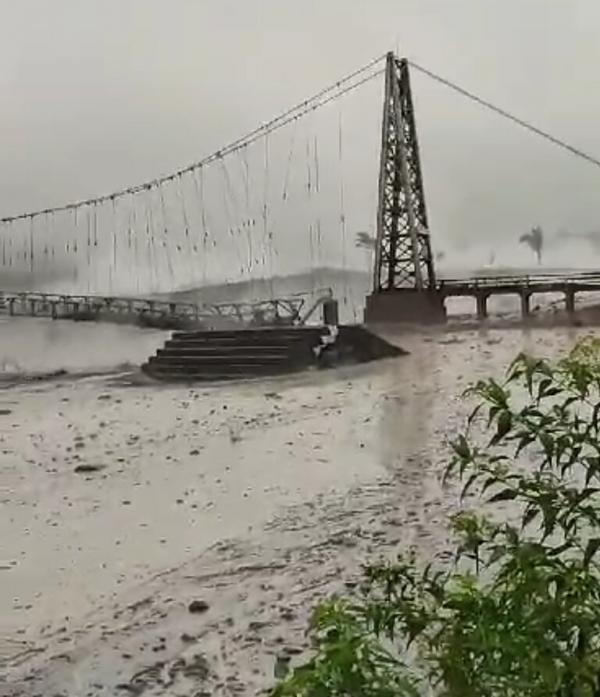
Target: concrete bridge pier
x=525, y=303
x=570, y=300
x=482, y=310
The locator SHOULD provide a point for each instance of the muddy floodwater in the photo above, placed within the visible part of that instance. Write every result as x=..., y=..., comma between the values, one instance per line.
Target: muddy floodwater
x=122, y=502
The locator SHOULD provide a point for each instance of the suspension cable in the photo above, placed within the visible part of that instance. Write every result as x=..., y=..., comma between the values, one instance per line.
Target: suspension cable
x=507, y=115
x=324, y=96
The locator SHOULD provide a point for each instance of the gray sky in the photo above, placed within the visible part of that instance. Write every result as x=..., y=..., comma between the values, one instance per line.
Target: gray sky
x=99, y=94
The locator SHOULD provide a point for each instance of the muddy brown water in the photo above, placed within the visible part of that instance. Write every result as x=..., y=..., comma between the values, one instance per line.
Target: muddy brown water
x=258, y=498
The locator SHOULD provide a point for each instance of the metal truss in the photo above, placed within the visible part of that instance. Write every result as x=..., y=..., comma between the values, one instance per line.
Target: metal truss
x=403, y=258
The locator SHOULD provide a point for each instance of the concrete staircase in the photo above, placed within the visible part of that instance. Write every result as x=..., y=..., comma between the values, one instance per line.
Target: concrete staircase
x=227, y=355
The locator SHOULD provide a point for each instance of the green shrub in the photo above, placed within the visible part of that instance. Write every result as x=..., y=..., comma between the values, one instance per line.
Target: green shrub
x=517, y=613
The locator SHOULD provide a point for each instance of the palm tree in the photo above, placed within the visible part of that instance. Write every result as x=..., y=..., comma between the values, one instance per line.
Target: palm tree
x=364, y=240
x=535, y=240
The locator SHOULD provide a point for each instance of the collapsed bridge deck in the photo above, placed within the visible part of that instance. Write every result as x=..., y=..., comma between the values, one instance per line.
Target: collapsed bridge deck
x=150, y=312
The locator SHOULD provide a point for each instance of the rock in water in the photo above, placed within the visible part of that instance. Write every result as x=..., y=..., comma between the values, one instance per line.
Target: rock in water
x=197, y=607
x=82, y=469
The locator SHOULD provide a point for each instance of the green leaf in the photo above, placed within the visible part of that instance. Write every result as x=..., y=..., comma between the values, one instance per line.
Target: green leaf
x=543, y=388
x=547, y=443
x=529, y=516
x=549, y=672
x=504, y=495
x=490, y=481
x=470, y=481
x=586, y=493
x=473, y=415
x=497, y=395
x=590, y=550
x=503, y=426
x=461, y=447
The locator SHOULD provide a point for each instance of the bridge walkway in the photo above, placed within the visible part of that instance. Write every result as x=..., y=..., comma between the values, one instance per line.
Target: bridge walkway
x=149, y=312
x=482, y=288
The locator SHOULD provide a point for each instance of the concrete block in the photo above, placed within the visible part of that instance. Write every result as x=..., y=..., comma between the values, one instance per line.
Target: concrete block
x=405, y=306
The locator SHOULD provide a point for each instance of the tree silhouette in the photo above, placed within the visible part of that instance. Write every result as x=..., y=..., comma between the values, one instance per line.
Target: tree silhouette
x=535, y=240
x=364, y=240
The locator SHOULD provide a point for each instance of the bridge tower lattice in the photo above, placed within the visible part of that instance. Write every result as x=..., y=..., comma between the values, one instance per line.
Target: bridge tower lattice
x=403, y=258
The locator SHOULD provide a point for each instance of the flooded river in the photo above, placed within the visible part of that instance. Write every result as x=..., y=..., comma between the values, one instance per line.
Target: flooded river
x=256, y=498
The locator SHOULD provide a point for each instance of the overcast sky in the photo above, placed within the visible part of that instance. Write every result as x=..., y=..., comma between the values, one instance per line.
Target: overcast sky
x=99, y=94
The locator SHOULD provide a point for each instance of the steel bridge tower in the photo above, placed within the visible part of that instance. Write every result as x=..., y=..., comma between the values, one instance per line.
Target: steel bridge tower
x=404, y=282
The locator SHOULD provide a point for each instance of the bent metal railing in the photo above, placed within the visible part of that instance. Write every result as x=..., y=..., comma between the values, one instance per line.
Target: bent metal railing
x=81, y=307
x=325, y=295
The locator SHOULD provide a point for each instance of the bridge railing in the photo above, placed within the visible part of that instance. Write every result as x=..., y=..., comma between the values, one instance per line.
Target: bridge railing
x=325, y=294
x=95, y=302
x=275, y=311
x=522, y=281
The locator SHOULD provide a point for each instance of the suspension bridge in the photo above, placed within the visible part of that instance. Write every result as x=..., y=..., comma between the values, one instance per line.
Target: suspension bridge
x=274, y=203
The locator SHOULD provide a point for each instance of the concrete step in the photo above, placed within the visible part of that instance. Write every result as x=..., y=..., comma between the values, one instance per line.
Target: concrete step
x=232, y=352
x=232, y=355
x=193, y=371
x=284, y=334
x=245, y=341
x=206, y=377
x=228, y=354
x=243, y=359
x=231, y=347
x=247, y=335
x=176, y=349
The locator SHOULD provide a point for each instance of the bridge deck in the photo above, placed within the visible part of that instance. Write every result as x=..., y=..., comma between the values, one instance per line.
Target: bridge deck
x=149, y=312
x=168, y=314
x=538, y=283
x=481, y=288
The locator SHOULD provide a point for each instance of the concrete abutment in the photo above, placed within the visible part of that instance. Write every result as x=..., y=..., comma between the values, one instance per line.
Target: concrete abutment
x=411, y=306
